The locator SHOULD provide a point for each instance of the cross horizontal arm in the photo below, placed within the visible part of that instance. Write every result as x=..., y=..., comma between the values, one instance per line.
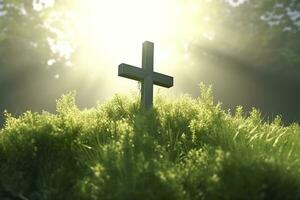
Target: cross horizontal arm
x=131, y=72
x=163, y=80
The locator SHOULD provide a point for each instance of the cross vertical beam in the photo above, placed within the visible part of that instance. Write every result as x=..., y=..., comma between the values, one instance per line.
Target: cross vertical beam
x=147, y=83
x=146, y=75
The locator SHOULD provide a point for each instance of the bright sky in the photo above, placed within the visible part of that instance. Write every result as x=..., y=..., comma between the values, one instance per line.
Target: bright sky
x=112, y=32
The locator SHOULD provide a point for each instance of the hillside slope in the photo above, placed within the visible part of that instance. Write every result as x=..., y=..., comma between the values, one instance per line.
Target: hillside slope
x=182, y=149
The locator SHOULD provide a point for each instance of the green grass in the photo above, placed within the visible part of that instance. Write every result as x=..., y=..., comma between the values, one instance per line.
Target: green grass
x=182, y=149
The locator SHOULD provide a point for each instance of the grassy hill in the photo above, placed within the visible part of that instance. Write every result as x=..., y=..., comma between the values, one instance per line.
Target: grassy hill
x=182, y=149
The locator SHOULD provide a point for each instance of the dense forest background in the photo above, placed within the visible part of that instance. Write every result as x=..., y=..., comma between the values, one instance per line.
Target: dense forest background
x=253, y=61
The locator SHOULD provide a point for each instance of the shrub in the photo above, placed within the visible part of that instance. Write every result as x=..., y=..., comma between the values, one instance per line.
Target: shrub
x=181, y=149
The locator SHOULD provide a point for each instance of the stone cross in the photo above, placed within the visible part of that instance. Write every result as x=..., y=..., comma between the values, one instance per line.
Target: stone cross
x=146, y=75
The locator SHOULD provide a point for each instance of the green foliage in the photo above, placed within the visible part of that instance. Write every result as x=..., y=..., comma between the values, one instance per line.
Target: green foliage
x=182, y=149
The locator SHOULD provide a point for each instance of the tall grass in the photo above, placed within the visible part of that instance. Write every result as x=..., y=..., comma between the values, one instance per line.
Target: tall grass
x=181, y=149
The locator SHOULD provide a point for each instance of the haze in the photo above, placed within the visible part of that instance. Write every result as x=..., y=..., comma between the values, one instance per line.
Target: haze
x=248, y=51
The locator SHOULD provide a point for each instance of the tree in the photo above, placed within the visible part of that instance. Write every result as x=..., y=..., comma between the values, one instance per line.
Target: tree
x=253, y=57
x=24, y=56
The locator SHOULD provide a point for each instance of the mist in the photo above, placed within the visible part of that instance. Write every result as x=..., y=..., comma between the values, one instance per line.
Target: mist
x=247, y=50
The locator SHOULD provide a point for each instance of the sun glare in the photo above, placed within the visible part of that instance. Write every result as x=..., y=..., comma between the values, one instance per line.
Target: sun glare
x=114, y=27
x=112, y=32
